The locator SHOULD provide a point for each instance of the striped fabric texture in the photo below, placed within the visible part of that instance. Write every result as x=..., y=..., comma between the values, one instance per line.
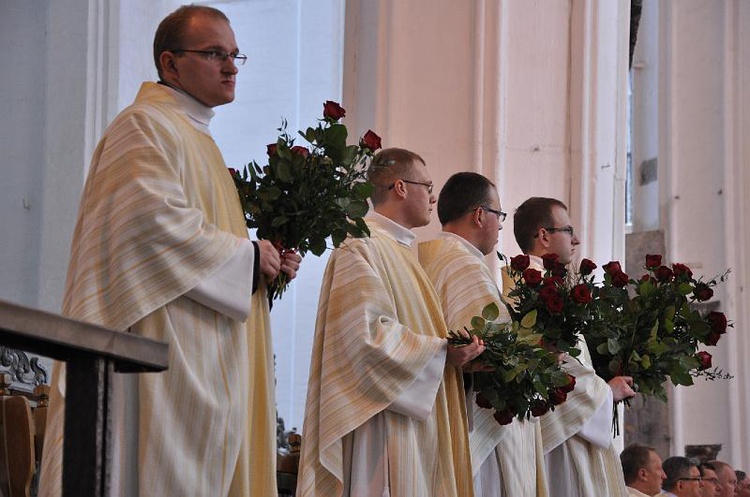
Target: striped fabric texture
x=159, y=214
x=379, y=323
x=506, y=460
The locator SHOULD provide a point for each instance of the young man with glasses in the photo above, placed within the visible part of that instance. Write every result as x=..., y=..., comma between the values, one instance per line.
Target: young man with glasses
x=384, y=412
x=161, y=250
x=711, y=485
x=683, y=478
x=507, y=460
x=579, y=456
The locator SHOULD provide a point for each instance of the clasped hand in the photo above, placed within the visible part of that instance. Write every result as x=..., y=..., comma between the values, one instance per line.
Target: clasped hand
x=272, y=261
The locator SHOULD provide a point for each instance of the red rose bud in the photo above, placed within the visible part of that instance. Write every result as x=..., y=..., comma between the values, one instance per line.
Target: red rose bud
x=718, y=322
x=532, y=277
x=520, y=262
x=663, y=274
x=581, y=294
x=271, y=149
x=587, y=267
x=549, y=260
x=681, y=270
x=557, y=396
x=705, y=359
x=503, y=417
x=539, y=407
x=483, y=402
x=233, y=172
x=612, y=268
x=333, y=111
x=570, y=386
x=712, y=338
x=703, y=292
x=299, y=149
x=555, y=304
x=370, y=141
x=646, y=277
x=653, y=260
x=620, y=279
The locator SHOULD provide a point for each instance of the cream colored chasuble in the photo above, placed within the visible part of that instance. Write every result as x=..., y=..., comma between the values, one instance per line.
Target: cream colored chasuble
x=159, y=215
x=507, y=460
x=580, y=459
x=378, y=333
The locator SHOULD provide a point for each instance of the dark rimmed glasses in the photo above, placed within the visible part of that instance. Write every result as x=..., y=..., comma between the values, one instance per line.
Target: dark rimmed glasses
x=691, y=478
x=500, y=214
x=567, y=229
x=239, y=59
x=429, y=186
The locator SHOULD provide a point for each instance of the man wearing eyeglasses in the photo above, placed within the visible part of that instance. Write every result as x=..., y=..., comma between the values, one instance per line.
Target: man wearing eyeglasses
x=711, y=485
x=683, y=478
x=161, y=250
x=385, y=412
x=507, y=460
x=579, y=456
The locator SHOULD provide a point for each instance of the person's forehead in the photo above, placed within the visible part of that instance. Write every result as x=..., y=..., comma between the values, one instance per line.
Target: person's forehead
x=694, y=472
x=709, y=473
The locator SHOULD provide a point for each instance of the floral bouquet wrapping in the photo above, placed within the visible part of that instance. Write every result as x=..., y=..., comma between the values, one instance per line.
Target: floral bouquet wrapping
x=550, y=302
x=525, y=379
x=306, y=194
x=651, y=329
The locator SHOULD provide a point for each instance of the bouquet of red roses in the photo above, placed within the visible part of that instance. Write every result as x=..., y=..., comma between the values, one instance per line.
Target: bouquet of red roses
x=552, y=303
x=651, y=329
x=525, y=379
x=304, y=195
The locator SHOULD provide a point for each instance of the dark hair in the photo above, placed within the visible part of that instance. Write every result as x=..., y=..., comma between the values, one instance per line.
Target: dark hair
x=675, y=468
x=171, y=31
x=531, y=215
x=704, y=466
x=461, y=193
x=633, y=458
x=741, y=475
x=387, y=166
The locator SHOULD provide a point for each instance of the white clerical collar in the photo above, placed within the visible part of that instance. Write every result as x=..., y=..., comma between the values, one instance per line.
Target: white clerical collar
x=199, y=115
x=535, y=260
x=403, y=235
x=466, y=243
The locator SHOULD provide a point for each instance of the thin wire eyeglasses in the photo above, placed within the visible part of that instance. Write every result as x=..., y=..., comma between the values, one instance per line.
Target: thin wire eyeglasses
x=567, y=229
x=239, y=59
x=429, y=186
x=500, y=214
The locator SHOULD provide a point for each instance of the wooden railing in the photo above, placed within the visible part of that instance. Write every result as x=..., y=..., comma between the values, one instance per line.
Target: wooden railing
x=93, y=354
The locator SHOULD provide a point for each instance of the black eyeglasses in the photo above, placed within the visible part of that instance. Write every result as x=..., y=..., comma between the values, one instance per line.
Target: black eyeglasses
x=692, y=478
x=500, y=214
x=216, y=55
x=567, y=229
x=711, y=480
x=429, y=186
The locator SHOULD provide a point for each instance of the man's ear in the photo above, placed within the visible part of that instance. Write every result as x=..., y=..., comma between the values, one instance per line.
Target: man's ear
x=642, y=473
x=167, y=63
x=478, y=216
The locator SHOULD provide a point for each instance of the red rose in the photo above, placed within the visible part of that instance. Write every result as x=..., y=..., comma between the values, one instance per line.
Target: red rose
x=681, y=270
x=581, y=294
x=233, y=172
x=703, y=292
x=519, y=262
x=547, y=292
x=370, y=141
x=653, y=260
x=271, y=149
x=612, y=268
x=539, y=407
x=503, y=417
x=663, y=274
x=712, y=338
x=299, y=149
x=555, y=304
x=646, y=277
x=558, y=269
x=532, y=277
x=705, y=360
x=570, y=386
x=718, y=322
x=587, y=267
x=333, y=111
x=553, y=281
x=620, y=279
x=483, y=402
x=549, y=260
x=557, y=396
